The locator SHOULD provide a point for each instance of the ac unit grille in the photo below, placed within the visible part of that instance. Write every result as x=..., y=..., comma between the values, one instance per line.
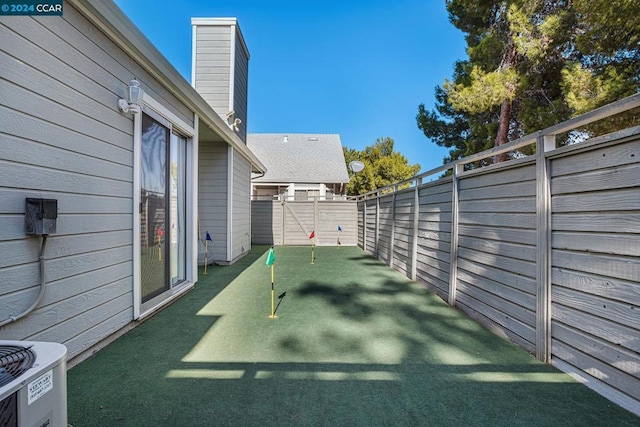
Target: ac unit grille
x=14, y=360
x=9, y=411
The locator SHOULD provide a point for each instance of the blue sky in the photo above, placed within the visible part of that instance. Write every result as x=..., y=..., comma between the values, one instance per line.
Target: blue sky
x=358, y=68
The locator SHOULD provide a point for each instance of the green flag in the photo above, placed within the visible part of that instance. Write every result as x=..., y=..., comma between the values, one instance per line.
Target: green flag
x=271, y=258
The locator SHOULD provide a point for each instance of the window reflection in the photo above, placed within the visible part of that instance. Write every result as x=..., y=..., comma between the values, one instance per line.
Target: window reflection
x=155, y=137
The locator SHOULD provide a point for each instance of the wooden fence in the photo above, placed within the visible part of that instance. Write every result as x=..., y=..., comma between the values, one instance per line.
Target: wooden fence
x=545, y=249
x=290, y=222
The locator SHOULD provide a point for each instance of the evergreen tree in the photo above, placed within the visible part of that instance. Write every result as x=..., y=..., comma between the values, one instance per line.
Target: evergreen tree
x=532, y=63
x=382, y=166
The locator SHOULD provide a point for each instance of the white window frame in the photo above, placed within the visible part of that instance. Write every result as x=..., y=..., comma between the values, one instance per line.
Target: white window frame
x=158, y=111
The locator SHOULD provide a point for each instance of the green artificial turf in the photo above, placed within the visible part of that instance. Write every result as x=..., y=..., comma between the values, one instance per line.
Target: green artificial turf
x=353, y=344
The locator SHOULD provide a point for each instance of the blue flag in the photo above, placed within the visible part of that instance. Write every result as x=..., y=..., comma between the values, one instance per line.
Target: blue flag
x=209, y=237
x=339, y=228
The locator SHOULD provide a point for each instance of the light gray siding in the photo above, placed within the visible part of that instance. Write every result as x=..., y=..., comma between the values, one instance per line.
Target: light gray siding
x=221, y=68
x=241, y=217
x=213, y=66
x=62, y=137
x=213, y=179
x=241, y=86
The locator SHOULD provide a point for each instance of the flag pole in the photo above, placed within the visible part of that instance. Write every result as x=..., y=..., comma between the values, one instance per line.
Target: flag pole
x=273, y=314
x=206, y=255
x=271, y=258
x=312, y=237
x=206, y=252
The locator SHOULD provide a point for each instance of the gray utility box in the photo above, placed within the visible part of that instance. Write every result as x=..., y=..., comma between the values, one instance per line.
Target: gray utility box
x=40, y=216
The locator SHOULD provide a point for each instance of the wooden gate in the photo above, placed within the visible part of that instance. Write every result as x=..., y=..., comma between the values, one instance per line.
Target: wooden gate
x=280, y=222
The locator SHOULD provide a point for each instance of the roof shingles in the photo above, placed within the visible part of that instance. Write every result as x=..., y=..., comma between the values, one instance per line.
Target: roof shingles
x=303, y=158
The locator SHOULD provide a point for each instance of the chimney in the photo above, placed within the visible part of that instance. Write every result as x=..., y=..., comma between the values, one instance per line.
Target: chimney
x=220, y=69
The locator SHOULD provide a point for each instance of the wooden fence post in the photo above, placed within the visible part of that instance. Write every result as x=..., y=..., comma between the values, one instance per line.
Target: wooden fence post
x=377, y=221
x=544, y=143
x=364, y=223
x=416, y=223
x=393, y=226
x=453, y=260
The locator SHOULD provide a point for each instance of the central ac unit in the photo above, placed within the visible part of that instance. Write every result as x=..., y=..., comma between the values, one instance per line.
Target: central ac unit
x=33, y=384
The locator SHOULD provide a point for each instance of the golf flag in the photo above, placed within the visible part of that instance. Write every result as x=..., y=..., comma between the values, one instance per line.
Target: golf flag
x=339, y=228
x=313, y=256
x=206, y=251
x=271, y=258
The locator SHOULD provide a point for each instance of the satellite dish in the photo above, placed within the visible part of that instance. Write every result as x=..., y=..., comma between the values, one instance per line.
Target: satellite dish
x=356, y=166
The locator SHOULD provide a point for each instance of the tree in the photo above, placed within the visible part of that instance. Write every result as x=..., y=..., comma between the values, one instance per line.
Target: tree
x=608, y=65
x=532, y=63
x=382, y=166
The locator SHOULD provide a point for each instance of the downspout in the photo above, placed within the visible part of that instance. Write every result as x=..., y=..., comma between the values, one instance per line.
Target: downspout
x=43, y=282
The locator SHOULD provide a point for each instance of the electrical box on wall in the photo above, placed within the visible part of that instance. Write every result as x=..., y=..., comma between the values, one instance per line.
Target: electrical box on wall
x=40, y=216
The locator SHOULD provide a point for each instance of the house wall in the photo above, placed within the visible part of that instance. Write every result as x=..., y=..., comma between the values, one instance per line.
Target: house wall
x=224, y=200
x=241, y=216
x=212, y=65
x=220, y=68
x=62, y=137
x=241, y=85
x=213, y=176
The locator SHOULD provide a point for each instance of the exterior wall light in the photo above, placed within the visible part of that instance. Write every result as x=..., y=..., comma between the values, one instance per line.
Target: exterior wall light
x=134, y=97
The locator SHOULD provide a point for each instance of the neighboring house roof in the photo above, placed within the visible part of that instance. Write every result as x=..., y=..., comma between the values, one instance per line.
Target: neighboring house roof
x=299, y=158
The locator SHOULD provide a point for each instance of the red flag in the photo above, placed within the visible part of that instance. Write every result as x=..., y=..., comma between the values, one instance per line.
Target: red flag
x=313, y=234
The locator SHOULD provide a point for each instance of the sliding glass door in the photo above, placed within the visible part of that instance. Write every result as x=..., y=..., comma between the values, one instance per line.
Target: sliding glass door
x=162, y=208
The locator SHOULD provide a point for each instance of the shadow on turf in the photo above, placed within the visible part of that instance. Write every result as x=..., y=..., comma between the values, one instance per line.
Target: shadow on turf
x=128, y=383
x=369, y=261
x=417, y=317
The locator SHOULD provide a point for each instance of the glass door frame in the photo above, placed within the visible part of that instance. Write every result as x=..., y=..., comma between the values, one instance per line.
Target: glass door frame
x=158, y=112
